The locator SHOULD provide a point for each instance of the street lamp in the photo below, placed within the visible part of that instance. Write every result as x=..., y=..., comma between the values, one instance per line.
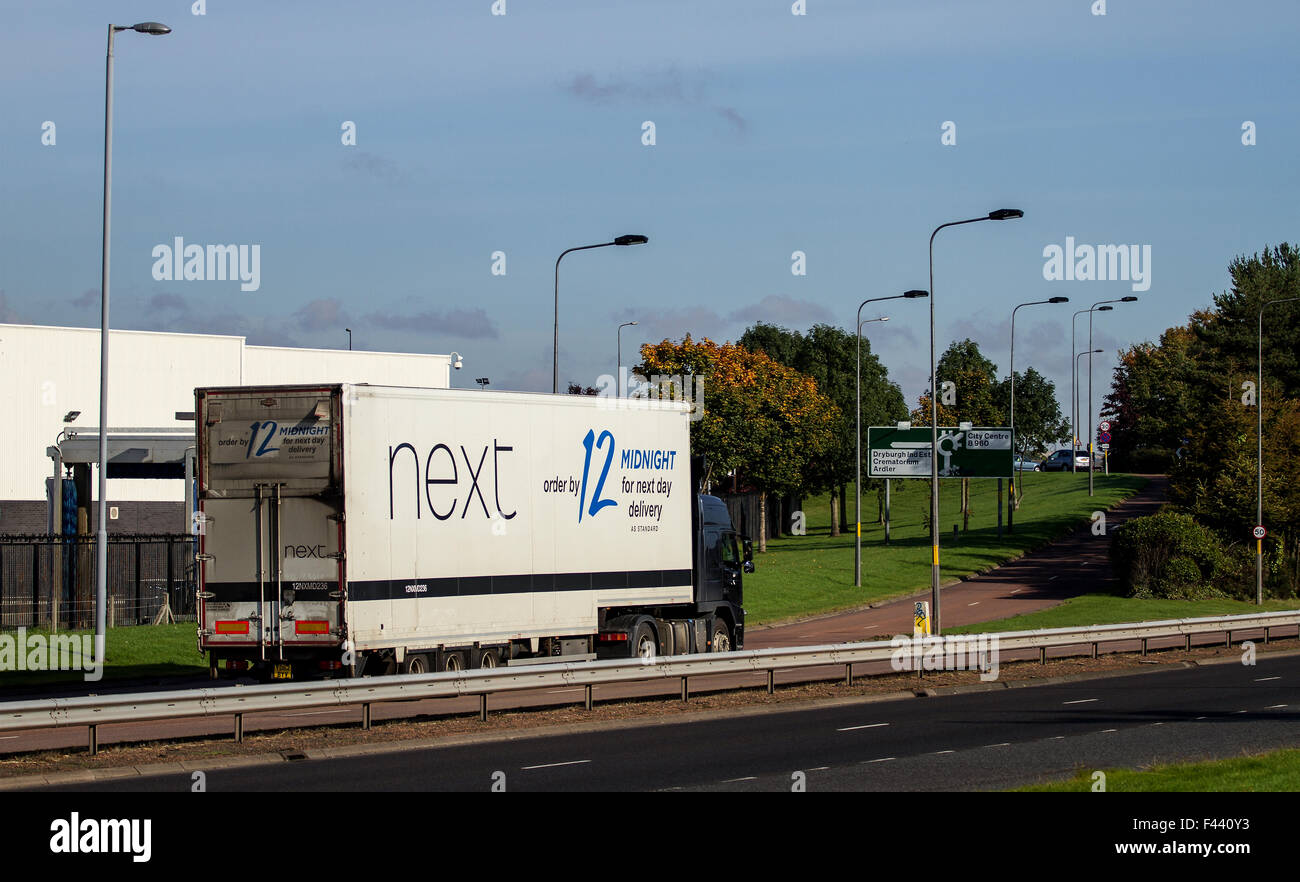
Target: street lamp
x=1259, y=440
x=618, y=366
x=349, y=330
x=1074, y=387
x=633, y=239
x=1000, y=214
x=857, y=391
x=1015, y=478
x=101, y=535
x=1091, y=430
x=482, y=383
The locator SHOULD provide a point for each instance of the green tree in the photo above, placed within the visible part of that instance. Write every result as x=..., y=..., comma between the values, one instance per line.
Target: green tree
x=761, y=418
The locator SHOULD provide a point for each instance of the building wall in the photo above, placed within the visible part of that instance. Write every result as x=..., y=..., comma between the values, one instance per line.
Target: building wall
x=45, y=372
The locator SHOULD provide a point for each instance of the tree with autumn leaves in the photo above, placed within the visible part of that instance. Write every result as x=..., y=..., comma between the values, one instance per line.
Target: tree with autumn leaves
x=765, y=420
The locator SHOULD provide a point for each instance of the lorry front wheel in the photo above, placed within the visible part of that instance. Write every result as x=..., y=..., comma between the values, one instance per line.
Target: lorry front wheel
x=721, y=639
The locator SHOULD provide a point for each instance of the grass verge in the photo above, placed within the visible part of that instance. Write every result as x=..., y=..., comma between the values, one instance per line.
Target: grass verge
x=1109, y=609
x=1275, y=771
x=811, y=574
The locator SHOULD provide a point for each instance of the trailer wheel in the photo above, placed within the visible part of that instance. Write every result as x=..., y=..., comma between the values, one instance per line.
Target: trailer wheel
x=416, y=664
x=453, y=661
x=488, y=658
x=721, y=639
x=644, y=643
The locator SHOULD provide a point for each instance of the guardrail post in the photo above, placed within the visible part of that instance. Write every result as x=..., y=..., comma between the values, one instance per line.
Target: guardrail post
x=1144, y=647
x=482, y=708
x=94, y=739
x=239, y=728
x=1042, y=655
x=848, y=674
x=1266, y=636
x=1229, y=643
x=1187, y=642
x=365, y=715
x=771, y=681
x=588, y=701
x=1094, y=650
x=686, y=689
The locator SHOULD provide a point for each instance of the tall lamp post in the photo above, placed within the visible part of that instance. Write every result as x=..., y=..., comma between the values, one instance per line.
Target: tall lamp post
x=152, y=28
x=1259, y=440
x=555, y=358
x=999, y=214
x=857, y=391
x=1092, y=434
x=1074, y=389
x=1015, y=479
x=618, y=365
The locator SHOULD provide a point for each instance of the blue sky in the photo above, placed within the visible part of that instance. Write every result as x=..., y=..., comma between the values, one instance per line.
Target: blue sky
x=522, y=133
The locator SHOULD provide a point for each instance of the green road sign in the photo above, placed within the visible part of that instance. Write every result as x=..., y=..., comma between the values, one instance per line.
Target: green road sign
x=977, y=452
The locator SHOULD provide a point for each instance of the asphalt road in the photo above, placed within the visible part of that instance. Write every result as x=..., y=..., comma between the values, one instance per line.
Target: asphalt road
x=973, y=741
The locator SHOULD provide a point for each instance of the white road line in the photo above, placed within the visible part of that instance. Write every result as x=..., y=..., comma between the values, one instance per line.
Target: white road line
x=7, y=737
x=1199, y=718
x=1081, y=701
x=883, y=759
x=976, y=603
x=1270, y=707
x=1017, y=591
x=937, y=752
x=819, y=769
x=1266, y=679
x=1104, y=731
x=1053, y=579
x=734, y=780
x=553, y=765
x=867, y=726
x=1002, y=744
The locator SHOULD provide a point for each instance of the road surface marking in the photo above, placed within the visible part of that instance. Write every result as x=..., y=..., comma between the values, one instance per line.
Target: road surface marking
x=883, y=759
x=1104, y=731
x=1002, y=744
x=1199, y=718
x=976, y=603
x=867, y=726
x=7, y=737
x=1053, y=579
x=819, y=769
x=1016, y=591
x=1266, y=679
x=1081, y=701
x=937, y=752
x=735, y=780
x=553, y=765
x=1270, y=707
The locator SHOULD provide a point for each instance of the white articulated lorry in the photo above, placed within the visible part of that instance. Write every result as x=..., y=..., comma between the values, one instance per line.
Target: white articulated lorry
x=355, y=529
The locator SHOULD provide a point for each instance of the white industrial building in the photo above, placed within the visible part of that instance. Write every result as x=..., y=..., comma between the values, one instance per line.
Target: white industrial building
x=46, y=373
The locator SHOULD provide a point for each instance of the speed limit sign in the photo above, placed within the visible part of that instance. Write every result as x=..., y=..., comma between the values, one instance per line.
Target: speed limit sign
x=1105, y=425
x=1259, y=532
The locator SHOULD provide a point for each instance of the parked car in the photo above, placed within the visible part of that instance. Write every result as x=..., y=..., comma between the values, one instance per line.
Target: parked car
x=1060, y=460
x=1021, y=464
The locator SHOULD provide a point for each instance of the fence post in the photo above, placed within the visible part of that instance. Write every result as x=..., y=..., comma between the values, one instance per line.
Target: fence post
x=138, y=616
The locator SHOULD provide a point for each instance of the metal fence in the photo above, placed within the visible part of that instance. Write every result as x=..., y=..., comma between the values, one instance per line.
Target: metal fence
x=49, y=581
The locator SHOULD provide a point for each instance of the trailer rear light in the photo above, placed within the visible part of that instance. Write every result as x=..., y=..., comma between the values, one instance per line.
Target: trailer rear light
x=234, y=664
x=613, y=637
x=327, y=665
x=311, y=627
x=232, y=627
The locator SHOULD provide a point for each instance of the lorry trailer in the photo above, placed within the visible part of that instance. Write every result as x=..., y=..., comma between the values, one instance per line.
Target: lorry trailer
x=350, y=529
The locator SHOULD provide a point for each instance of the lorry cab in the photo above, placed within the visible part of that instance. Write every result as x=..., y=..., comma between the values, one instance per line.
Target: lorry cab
x=721, y=559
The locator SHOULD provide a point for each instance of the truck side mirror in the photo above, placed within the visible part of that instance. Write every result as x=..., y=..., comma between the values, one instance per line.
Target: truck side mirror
x=748, y=565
